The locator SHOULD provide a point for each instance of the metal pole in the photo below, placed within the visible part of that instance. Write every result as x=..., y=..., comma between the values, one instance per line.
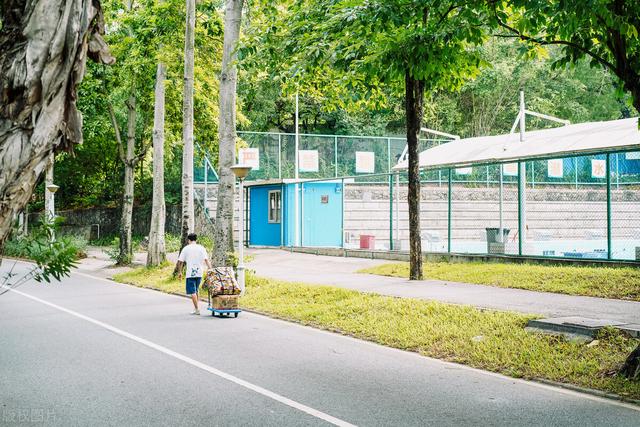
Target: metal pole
x=335, y=154
x=342, y=222
x=391, y=212
x=617, y=172
x=608, y=169
x=297, y=196
x=279, y=156
x=575, y=167
x=206, y=172
x=501, y=216
x=388, y=155
x=246, y=217
x=302, y=214
x=487, y=176
x=449, y=216
x=398, y=211
x=520, y=212
x=240, y=242
x=522, y=170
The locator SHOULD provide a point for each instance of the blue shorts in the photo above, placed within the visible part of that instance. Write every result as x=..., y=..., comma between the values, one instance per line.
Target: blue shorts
x=192, y=285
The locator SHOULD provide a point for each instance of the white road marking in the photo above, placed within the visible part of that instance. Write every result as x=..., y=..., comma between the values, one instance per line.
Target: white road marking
x=535, y=384
x=255, y=388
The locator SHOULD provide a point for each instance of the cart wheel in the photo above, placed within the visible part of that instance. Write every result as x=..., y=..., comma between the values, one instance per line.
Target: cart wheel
x=235, y=314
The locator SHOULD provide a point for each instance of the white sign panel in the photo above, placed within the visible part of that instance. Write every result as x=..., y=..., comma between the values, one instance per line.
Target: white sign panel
x=464, y=171
x=308, y=161
x=510, y=169
x=555, y=168
x=598, y=168
x=250, y=157
x=365, y=162
x=633, y=155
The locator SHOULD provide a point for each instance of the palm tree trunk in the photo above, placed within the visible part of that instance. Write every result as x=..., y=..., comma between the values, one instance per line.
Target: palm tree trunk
x=223, y=237
x=156, y=252
x=187, y=125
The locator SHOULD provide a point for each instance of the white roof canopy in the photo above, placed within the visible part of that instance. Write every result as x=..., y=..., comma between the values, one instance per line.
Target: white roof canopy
x=565, y=141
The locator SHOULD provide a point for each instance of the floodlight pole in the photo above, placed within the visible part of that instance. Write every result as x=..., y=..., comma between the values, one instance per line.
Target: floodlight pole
x=522, y=176
x=297, y=160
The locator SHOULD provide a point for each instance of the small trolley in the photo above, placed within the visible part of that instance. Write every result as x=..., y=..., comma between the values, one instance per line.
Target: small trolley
x=219, y=311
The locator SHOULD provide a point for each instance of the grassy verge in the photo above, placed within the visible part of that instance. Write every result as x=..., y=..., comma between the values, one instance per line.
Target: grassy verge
x=620, y=283
x=490, y=340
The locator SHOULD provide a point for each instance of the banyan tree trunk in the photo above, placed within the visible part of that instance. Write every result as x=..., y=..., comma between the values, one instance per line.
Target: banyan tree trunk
x=43, y=50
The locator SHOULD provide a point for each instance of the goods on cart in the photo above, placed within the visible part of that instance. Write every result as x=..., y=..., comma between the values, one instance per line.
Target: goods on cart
x=221, y=281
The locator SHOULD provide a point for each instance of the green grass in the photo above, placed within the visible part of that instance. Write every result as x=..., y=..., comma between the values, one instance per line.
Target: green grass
x=605, y=282
x=443, y=331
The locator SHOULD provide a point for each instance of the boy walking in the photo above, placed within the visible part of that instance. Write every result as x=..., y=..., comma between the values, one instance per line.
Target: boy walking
x=193, y=255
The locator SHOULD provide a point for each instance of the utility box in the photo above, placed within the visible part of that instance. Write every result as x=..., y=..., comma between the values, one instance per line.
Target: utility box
x=367, y=241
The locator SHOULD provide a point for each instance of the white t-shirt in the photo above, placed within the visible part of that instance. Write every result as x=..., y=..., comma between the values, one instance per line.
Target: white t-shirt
x=193, y=255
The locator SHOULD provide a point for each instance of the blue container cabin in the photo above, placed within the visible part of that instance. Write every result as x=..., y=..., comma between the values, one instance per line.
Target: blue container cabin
x=272, y=213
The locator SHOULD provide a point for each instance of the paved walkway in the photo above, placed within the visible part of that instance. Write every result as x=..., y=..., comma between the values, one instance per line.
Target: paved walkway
x=340, y=271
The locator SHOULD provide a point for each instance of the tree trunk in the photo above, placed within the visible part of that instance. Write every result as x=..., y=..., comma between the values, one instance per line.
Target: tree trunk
x=188, y=213
x=126, y=251
x=414, y=90
x=43, y=49
x=223, y=237
x=631, y=367
x=156, y=253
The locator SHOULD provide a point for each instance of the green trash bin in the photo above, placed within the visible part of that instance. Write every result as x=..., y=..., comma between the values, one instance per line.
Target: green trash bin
x=493, y=245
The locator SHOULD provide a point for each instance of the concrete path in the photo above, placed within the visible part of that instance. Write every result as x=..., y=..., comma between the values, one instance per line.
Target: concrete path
x=88, y=351
x=341, y=271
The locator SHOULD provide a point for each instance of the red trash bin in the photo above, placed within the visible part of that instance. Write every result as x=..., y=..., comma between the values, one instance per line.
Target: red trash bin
x=367, y=241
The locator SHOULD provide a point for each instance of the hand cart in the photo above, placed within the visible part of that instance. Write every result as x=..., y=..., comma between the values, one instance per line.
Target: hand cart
x=221, y=312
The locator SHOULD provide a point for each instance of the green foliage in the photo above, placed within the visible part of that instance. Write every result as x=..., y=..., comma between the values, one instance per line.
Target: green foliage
x=54, y=258
x=606, y=32
x=138, y=38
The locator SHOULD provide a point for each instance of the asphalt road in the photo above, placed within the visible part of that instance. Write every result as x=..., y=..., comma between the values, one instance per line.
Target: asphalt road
x=93, y=352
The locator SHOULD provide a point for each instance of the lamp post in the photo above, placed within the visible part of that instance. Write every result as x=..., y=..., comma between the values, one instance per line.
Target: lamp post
x=51, y=215
x=241, y=171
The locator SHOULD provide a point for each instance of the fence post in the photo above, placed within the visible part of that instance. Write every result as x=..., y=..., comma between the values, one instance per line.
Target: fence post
x=520, y=198
x=344, y=191
x=388, y=155
x=608, y=169
x=391, y=212
x=617, y=172
x=279, y=156
x=206, y=196
x=335, y=154
x=449, y=215
x=575, y=168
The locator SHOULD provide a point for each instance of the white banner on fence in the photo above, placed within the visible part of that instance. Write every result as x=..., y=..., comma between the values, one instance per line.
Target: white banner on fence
x=555, y=168
x=464, y=171
x=598, y=168
x=510, y=169
x=308, y=161
x=633, y=155
x=365, y=162
x=250, y=157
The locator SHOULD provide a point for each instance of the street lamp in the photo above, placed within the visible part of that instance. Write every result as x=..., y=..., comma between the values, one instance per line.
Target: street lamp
x=52, y=188
x=241, y=171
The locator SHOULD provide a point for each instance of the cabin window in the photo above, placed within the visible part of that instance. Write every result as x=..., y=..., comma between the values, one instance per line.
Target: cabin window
x=275, y=206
